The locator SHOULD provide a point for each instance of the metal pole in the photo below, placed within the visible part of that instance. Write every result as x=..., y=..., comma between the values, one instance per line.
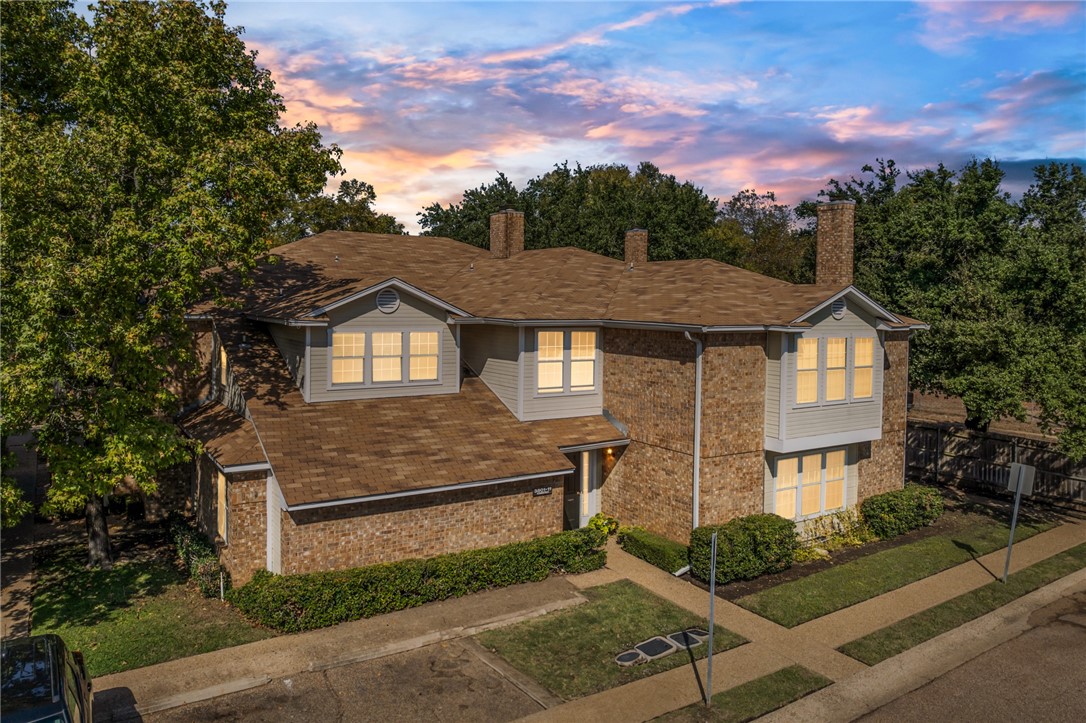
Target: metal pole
x=1014, y=521
x=712, y=610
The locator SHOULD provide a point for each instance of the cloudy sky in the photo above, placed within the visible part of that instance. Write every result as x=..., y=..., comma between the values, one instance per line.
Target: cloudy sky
x=428, y=99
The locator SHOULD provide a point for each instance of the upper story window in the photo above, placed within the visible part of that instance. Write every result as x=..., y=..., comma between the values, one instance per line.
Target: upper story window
x=810, y=484
x=834, y=369
x=565, y=361
x=379, y=357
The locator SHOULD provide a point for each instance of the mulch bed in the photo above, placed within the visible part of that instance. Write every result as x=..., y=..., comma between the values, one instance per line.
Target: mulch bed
x=959, y=504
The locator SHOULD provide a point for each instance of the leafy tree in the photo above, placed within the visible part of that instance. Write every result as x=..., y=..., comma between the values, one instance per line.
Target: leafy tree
x=591, y=208
x=755, y=232
x=1002, y=284
x=150, y=154
x=351, y=209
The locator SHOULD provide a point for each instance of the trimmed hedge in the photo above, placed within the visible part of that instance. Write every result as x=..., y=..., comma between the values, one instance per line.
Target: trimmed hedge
x=895, y=513
x=746, y=548
x=198, y=556
x=665, y=554
x=291, y=603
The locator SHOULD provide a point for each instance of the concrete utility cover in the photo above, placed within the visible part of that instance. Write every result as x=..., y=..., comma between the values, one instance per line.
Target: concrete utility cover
x=685, y=639
x=657, y=647
x=698, y=632
x=628, y=658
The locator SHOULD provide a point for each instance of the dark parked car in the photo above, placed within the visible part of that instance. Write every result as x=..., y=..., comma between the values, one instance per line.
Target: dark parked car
x=42, y=681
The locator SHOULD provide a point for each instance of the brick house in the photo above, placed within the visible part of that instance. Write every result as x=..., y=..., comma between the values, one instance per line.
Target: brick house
x=373, y=398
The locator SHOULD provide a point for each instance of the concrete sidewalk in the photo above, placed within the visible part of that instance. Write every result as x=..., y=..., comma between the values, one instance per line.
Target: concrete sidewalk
x=123, y=696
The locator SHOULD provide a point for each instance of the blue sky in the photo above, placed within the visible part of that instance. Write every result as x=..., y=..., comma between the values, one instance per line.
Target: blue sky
x=428, y=99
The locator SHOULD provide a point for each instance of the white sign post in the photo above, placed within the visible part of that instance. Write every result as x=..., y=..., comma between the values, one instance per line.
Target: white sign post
x=712, y=608
x=1021, y=483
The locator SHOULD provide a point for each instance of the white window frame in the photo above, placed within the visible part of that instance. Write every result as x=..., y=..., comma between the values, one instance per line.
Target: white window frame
x=405, y=359
x=567, y=363
x=802, y=479
x=850, y=369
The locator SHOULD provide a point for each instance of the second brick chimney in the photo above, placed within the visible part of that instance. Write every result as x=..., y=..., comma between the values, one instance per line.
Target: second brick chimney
x=833, y=263
x=506, y=233
x=637, y=246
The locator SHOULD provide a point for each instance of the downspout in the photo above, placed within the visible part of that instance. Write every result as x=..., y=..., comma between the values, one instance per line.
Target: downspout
x=697, y=429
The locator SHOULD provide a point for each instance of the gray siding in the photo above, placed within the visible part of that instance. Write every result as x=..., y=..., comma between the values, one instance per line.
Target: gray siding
x=556, y=406
x=837, y=417
x=774, y=344
x=291, y=343
x=493, y=352
x=362, y=315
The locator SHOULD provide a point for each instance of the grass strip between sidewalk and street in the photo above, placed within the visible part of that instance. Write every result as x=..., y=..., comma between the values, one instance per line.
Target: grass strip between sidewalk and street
x=754, y=699
x=915, y=629
x=572, y=652
x=799, y=601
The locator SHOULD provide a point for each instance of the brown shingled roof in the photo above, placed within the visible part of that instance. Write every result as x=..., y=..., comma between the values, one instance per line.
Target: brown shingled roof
x=340, y=450
x=226, y=435
x=545, y=284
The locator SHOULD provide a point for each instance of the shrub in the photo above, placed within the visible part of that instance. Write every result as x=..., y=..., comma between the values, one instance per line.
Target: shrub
x=198, y=556
x=665, y=554
x=895, y=513
x=315, y=600
x=846, y=528
x=746, y=548
x=603, y=523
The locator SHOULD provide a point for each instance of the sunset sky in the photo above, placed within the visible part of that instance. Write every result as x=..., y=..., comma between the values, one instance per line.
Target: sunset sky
x=427, y=99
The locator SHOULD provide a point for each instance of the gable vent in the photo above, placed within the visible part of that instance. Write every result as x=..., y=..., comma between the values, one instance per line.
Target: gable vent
x=388, y=301
x=838, y=309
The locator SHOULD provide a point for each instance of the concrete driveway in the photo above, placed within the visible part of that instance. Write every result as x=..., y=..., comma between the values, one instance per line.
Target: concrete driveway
x=448, y=681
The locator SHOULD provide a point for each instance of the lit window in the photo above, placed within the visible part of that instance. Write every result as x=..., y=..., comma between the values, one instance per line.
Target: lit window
x=787, y=482
x=806, y=371
x=423, y=361
x=810, y=485
x=549, y=351
x=387, y=356
x=348, y=355
x=836, y=358
x=863, y=371
x=582, y=369
x=222, y=511
x=222, y=365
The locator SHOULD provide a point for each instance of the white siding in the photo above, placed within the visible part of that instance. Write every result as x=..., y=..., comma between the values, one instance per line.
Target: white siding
x=275, y=520
x=493, y=353
x=362, y=315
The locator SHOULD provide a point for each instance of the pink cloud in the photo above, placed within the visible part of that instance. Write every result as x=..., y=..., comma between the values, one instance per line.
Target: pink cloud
x=948, y=26
x=863, y=122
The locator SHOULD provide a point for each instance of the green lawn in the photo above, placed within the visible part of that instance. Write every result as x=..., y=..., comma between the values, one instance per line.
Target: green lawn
x=754, y=699
x=796, y=602
x=913, y=630
x=141, y=612
x=571, y=652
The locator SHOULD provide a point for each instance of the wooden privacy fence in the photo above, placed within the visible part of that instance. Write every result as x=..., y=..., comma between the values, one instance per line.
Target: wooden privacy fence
x=951, y=454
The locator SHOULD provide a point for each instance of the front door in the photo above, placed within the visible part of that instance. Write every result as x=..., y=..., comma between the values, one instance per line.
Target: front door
x=581, y=493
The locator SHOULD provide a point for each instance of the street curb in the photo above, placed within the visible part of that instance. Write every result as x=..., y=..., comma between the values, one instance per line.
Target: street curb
x=887, y=681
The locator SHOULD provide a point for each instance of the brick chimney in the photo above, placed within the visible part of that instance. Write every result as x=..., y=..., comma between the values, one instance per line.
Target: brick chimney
x=835, y=240
x=637, y=246
x=506, y=233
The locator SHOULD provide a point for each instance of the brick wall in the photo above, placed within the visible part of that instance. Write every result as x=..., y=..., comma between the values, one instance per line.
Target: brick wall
x=835, y=245
x=332, y=538
x=648, y=385
x=732, y=426
x=882, y=463
x=246, y=549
